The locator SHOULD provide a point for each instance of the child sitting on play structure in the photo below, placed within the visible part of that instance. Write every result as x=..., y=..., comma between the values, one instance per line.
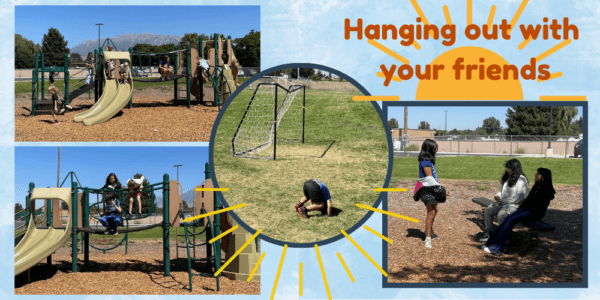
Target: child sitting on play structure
x=164, y=67
x=318, y=194
x=110, y=65
x=89, y=62
x=125, y=73
x=135, y=187
x=57, y=105
x=111, y=221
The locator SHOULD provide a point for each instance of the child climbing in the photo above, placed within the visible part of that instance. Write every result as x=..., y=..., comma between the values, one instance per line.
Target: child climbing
x=110, y=65
x=125, y=73
x=164, y=67
x=135, y=186
x=111, y=221
x=320, y=199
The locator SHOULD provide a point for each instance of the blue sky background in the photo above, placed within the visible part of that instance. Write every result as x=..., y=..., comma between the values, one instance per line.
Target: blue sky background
x=312, y=31
x=32, y=22
x=93, y=164
x=459, y=117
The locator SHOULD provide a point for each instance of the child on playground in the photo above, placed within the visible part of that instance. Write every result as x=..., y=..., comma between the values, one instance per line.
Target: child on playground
x=318, y=194
x=125, y=73
x=110, y=65
x=135, y=187
x=114, y=208
x=57, y=105
x=89, y=62
x=112, y=183
x=514, y=188
x=164, y=67
x=428, y=188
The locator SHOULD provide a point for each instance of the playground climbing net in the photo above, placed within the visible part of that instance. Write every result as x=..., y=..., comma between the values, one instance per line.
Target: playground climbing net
x=274, y=114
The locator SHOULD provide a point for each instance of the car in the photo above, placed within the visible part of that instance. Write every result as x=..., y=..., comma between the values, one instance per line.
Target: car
x=578, y=151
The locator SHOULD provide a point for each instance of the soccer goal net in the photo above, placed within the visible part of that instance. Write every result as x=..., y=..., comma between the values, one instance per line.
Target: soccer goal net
x=281, y=80
x=274, y=114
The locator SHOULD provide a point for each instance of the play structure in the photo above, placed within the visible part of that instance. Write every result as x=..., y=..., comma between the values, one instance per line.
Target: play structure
x=85, y=206
x=273, y=115
x=219, y=70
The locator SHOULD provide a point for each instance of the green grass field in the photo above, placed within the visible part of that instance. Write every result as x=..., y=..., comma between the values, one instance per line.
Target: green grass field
x=355, y=165
x=24, y=87
x=564, y=171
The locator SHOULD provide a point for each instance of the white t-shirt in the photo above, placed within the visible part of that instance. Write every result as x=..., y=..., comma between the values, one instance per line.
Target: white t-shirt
x=138, y=182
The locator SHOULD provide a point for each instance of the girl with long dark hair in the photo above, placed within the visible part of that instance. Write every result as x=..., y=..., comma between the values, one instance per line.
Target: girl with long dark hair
x=514, y=188
x=532, y=209
x=428, y=188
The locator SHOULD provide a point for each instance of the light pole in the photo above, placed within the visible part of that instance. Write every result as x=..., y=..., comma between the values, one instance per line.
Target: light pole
x=177, y=166
x=99, y=24
x=446, y=126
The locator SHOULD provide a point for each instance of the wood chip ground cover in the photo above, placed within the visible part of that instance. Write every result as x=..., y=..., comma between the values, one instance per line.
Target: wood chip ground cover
x=457, y=256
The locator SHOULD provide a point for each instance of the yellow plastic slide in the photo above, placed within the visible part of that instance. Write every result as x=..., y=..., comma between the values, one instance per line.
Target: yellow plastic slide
x=109, y=93
x=121, y=99
x=37, y=243
x=114, y=97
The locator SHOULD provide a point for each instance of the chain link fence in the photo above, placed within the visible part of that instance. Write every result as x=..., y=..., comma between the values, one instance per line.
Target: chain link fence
x=505, y=145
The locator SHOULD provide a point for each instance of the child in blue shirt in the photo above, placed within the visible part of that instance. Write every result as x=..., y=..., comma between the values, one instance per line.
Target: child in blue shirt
x=320, y=199
x=111, y=220
x=164, y=67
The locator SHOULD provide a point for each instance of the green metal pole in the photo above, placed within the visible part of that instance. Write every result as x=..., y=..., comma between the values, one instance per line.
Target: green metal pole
x=43, y=76
x=131, y=67
x=217, y=226
x=66, y=80
x=166, y=225
x=200, y=49
x=75, y=224
x=188, y=72
x=96, y=82
x=48, y=212
x=27, y=199
x=175, y=87
x=215, y=77
x=86, y=223
x=34, y=88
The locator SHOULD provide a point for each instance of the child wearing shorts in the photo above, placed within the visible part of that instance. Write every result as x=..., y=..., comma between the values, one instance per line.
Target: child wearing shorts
x=320, y=200
x=124, y=73
x=164, y=67
x=135, y=187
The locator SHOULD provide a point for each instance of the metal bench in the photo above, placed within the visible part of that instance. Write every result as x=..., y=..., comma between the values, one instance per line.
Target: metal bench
x=534, y=227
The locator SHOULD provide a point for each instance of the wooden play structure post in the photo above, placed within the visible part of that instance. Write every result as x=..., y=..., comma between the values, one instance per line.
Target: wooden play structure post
x=166, y=250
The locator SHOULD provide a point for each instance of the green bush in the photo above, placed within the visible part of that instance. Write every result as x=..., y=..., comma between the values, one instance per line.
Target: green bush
x=520, y=151
x=412, y=148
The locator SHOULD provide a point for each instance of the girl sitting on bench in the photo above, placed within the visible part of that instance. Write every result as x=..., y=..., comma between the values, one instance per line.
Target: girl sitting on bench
x=532, y=209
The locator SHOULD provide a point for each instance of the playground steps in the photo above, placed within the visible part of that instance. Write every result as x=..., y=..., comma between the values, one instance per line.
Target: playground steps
x=241, y=267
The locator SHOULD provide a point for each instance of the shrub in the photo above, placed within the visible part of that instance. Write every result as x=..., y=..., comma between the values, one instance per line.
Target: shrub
x=520, y=151
x=412, y=148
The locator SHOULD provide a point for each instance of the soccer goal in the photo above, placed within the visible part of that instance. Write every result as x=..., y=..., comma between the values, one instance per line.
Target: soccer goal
x=274, y=114
x=281, y=80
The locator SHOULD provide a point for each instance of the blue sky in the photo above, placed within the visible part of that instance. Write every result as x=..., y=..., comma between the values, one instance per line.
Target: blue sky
x=76, y=23
x=459, y=117
x=93, y=164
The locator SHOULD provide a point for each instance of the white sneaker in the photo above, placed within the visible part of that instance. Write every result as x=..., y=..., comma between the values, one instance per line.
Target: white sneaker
x=428, y=242
x=486, y=249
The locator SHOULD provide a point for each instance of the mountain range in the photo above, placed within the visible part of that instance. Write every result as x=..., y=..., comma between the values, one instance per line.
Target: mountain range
x=124, y=42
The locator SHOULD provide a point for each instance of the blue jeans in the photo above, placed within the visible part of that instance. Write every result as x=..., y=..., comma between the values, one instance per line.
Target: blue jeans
x=499, y=236
x=112, y=218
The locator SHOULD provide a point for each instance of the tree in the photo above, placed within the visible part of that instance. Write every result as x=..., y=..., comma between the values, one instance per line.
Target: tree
x=18, y=207
x=247, y=49
x=76, y=57
x=54, y=47
x=25, y=52
x=535, y=120
x=491, y=125
x=577, y=126
x=393, y=123
x=424, y=125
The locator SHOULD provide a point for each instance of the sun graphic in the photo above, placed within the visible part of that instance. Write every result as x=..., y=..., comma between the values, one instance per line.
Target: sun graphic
x=448, y=87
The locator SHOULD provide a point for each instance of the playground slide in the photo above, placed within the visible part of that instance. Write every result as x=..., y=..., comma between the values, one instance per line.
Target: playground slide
x=37, y=243
x=110, y=90
x=121, y=99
